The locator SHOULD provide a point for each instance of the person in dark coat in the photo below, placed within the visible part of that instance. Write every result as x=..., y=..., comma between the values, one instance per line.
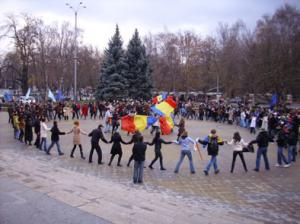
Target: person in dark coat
x=157, y=141
x=37, y=130
x=116, y=148
x=134, y=139
x=292, y=139
x=281, y=144
x=55, y=133
x=96, y=135
x=262, y=140
x=139, y=156
x=28, y=130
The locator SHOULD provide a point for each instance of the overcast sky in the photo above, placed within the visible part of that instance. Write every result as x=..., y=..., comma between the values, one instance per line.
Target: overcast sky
x=99, y=18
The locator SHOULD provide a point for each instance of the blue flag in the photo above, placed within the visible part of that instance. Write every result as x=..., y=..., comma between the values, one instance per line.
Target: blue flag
x=8, y=97
x=59, y=96
x=274, y=100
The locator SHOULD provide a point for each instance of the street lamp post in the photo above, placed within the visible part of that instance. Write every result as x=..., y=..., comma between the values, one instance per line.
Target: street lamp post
x=75, y=10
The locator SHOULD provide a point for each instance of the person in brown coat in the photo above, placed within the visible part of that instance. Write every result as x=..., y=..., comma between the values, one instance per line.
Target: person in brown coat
x=76, y=138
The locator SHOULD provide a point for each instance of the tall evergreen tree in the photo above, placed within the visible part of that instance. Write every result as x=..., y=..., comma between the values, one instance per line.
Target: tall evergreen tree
x=113, y=83
x=139, y=72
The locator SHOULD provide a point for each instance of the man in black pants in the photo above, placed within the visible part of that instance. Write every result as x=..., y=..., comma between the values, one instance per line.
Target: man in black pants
x=96, y=135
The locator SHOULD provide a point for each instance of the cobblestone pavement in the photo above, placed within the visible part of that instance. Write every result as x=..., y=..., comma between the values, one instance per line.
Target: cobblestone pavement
x=107, y=192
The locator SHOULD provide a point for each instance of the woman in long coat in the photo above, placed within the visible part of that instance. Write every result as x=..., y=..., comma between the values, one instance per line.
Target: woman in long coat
x=116, y=148
x=28, y=130
x=76, y=138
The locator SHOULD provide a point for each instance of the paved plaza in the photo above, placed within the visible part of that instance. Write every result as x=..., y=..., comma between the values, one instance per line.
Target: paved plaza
x=37, y=188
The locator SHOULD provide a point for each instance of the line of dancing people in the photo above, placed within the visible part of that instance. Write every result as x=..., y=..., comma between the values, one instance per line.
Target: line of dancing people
x=23, y=122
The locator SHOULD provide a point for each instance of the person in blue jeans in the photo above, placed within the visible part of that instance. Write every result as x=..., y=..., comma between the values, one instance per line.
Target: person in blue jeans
x=55, y=133
x=212, y=141
x=262, y=140
x=184, y=141
x=281, y=144
x=139, y=151
x=292, y=139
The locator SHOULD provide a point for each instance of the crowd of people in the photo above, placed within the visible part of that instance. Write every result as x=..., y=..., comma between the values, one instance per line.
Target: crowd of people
x=275, y=125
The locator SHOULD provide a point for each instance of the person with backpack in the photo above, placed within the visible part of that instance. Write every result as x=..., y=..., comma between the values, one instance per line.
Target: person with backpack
x=55, y=133
x=262, y=140
x=237, y=144
x=212, y=141
x=157, y=141
x=185, y=141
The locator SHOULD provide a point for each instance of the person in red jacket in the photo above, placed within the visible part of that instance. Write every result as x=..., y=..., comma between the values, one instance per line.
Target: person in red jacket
x=84, y=110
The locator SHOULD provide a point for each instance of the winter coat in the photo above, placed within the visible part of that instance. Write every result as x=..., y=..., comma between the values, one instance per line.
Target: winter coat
x=116, y=148
x=28, y=131
x=96, y=135
x=281, y=139
x=157, y=144
x=262, y=139
x=76, y=135
x=55, y=133
x=139, y=151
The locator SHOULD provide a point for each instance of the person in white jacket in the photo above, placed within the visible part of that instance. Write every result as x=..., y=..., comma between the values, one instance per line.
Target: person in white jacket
x=44, y=129
x=237, y=144
x=253, y=124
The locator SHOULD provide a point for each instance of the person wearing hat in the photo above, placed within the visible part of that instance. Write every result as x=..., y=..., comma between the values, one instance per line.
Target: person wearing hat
x=96, y=135
x=212, y=141
x=184, y=141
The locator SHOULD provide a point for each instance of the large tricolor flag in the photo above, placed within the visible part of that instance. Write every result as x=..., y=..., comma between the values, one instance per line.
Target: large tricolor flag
x=164, y=108
x=136, y=122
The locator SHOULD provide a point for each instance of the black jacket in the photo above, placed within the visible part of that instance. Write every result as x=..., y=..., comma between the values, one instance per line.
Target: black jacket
x=292, y=138
x=262, y=139
x=96, y=135
x=139, y=151
x=157, y=143
x=55, y=133
x=281, y=139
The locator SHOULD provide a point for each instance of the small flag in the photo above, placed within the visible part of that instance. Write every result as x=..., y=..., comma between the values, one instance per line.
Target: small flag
x=159, y=98
x=51, y=96
x=59, y=96
x=274, y=100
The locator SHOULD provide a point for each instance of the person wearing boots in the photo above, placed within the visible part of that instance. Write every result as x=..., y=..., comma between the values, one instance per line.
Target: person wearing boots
x=116, y=148
x=76, y=130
